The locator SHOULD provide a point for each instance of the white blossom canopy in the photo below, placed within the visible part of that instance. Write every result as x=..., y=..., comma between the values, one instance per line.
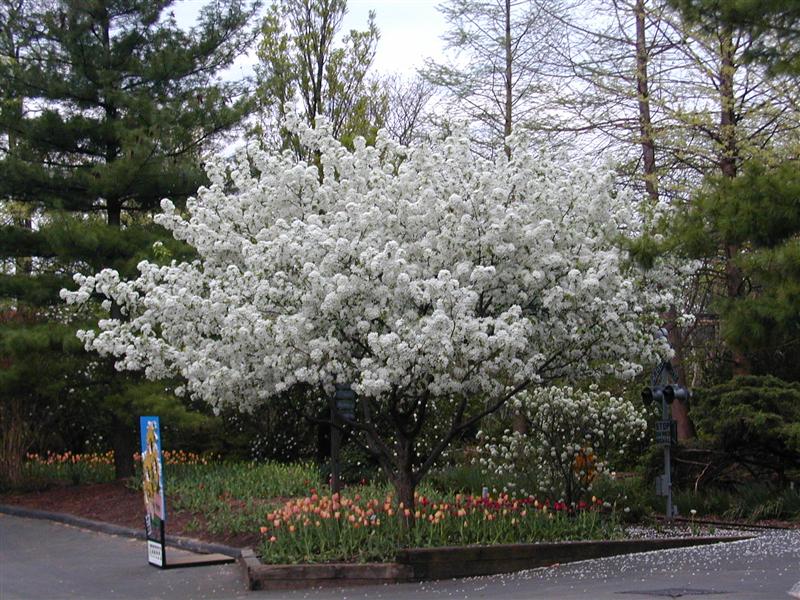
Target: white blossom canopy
x=423, y=272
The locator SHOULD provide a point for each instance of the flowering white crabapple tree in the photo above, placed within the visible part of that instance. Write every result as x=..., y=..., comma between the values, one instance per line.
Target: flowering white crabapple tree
x=436, y=283
x=572, y=435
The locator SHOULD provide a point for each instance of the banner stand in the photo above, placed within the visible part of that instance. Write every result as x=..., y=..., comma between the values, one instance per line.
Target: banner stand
x=156, y=507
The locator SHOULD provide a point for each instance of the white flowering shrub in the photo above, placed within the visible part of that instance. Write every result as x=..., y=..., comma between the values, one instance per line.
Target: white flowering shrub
x=573, y=436
x=437, y=283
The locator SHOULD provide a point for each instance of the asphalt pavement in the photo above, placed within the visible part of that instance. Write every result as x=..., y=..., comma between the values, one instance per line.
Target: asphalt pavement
x=50, y=561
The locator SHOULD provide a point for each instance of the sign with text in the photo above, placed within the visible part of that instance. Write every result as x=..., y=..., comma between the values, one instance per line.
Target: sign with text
x=153, y=488
x=666, y=432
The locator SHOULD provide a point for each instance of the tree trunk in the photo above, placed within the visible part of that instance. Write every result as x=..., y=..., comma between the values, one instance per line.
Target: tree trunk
x=123, y=438
x=643, y=95
x=15, y=440
x=405, y=484
x=734, y=278
x=508, y=82
x=114, y=214
x=679, y=408
x=405, y=487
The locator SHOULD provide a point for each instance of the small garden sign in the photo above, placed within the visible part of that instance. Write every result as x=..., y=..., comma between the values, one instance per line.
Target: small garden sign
x=156, y=506
x=153, y=487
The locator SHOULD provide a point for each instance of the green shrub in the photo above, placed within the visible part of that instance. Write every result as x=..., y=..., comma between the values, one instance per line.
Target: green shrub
x=633, y=498
x=755, y=421
x=748, y=502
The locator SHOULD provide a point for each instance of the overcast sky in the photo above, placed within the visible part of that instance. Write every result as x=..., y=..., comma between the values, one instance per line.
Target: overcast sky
x=410, y=30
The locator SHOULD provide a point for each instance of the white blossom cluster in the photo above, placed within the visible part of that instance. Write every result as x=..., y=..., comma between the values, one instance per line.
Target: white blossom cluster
x=407, y=272
x=572, y=436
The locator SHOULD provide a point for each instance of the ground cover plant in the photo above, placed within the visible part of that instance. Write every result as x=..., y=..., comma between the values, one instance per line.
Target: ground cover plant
x=749, y=502
x=232, y=498
x=93, y=467
x=271, y=504
x=226, y=498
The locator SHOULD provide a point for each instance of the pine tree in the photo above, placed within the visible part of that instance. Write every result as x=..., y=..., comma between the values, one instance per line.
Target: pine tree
x=747, y=217
x=107, y=108
x=773, y=25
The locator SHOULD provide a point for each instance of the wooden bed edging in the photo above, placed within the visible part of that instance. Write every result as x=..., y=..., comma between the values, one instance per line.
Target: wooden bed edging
x=421, y=564
x=290, y=577
x=470, y=561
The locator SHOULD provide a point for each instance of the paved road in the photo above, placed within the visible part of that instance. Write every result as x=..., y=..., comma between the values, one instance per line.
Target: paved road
x=44, y=560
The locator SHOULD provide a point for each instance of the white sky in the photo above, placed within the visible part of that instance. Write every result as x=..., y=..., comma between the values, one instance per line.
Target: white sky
x=410, y=31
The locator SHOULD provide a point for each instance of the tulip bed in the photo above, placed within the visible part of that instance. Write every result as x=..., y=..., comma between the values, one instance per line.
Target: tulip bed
x=365, y=527
x=92, y=467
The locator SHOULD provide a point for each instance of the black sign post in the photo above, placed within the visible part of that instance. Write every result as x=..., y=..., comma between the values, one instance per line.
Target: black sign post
x=664, y=393
x=343, y=404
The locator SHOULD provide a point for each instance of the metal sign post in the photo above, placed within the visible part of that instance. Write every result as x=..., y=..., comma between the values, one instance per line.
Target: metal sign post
x=667, y=417
x=663, y=390
x=342, y=406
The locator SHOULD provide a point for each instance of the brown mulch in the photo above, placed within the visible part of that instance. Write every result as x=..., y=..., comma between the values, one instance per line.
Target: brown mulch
x=115, y=503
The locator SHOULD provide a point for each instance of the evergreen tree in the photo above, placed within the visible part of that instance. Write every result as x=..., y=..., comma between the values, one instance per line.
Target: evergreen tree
x=107, y=108
x=773, y=25
x=748, y=219
x=759, y=212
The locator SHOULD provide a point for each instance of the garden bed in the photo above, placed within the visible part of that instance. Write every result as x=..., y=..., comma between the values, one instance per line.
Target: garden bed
x=301, y=536
x=475, y=554
x=118, y=504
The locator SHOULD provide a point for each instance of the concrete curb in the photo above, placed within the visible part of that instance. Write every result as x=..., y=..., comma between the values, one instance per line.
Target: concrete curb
x=175, y=541
x=423, y=564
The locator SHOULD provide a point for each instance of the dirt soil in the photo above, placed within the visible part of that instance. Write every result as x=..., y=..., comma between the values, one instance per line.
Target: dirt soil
x=118, y=504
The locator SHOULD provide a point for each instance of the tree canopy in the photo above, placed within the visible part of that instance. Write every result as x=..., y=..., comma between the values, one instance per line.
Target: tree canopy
x=432, y=281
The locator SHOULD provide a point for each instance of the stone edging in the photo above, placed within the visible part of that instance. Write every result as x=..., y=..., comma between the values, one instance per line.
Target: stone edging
x=175, y=541
x=421, y=564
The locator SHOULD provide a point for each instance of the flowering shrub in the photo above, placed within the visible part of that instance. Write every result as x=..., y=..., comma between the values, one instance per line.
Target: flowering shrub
x=320, y=528
x=437, y=283
x=572, y=437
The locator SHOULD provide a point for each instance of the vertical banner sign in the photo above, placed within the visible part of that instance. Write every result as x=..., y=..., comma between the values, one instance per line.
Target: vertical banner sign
x=153, y=488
